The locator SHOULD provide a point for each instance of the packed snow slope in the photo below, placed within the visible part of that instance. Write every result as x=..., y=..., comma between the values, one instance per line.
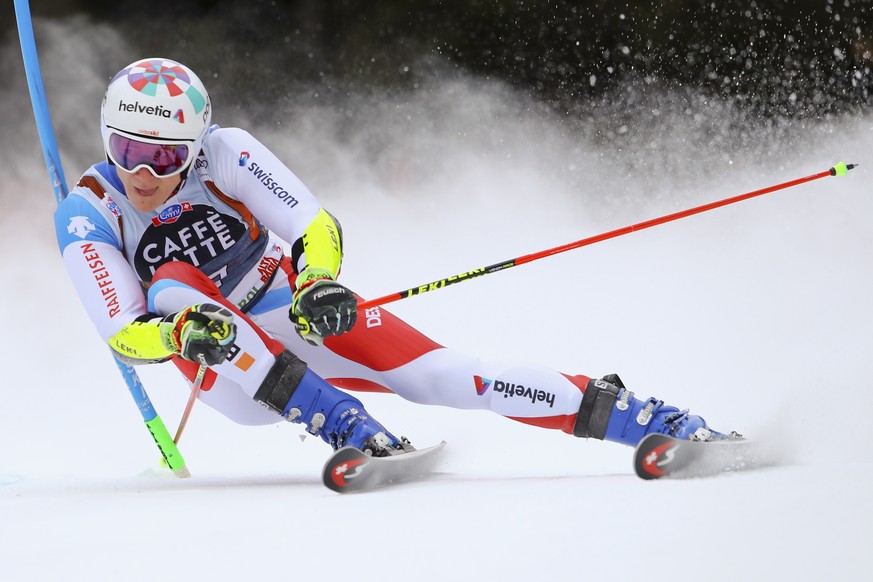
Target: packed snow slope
x=757, y=316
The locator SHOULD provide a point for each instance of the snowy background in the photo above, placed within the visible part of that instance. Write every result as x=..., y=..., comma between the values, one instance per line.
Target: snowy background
x=757, y=315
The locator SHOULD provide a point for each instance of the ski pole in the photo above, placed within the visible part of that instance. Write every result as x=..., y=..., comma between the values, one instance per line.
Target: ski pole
x=192, y=398
x=169, y=451
x=839, y=169
x=195, y=391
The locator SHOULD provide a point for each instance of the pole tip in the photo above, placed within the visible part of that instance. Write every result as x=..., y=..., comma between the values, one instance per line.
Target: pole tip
x=182, y=472
x=842, y=168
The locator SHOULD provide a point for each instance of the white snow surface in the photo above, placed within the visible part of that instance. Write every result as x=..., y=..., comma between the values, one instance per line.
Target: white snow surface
x=756, y=315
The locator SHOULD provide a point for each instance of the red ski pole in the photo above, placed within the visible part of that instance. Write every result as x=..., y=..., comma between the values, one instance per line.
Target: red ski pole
x=838, y=170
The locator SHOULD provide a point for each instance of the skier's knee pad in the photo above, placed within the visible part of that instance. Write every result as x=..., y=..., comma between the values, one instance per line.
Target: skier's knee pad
x=596, y=407
x=281, y=381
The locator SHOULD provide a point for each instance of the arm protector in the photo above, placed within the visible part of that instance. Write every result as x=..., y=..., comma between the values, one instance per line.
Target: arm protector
x=144, y=341
x=321, y=248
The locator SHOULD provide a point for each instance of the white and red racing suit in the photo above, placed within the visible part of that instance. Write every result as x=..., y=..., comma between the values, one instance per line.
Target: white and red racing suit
x=220, y=221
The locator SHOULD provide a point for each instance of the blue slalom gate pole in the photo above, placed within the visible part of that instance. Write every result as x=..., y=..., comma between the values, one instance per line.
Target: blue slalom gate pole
x=155, y=425
x=38, y=100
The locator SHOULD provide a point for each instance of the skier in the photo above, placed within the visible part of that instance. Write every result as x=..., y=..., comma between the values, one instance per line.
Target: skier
x=168, y=243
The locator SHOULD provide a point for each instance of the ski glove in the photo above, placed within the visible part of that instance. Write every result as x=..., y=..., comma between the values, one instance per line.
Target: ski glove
x=322, y=307
x=203, y=333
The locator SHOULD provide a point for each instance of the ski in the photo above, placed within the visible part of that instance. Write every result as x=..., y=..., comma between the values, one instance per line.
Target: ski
x=659, y=456
x=350, y=470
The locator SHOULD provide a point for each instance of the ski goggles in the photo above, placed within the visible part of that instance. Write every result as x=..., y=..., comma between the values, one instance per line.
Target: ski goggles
x=162, y=159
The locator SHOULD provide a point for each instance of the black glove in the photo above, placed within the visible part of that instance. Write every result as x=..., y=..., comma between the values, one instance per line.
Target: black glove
x=323, y=308
x=203, y=333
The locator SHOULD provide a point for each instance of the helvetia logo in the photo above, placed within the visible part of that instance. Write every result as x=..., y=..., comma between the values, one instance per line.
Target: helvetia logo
x=179, y=116
x=482, y=384
x=150, y=110
x=512, y=390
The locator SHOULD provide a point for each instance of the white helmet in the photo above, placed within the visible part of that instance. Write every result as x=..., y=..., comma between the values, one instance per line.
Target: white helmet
x=155, y=102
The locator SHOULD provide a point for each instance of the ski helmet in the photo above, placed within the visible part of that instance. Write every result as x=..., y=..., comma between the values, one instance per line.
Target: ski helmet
x=155, y=114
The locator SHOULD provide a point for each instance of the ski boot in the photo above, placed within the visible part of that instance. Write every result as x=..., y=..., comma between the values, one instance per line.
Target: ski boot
x=610, y=412
x=302, y=396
